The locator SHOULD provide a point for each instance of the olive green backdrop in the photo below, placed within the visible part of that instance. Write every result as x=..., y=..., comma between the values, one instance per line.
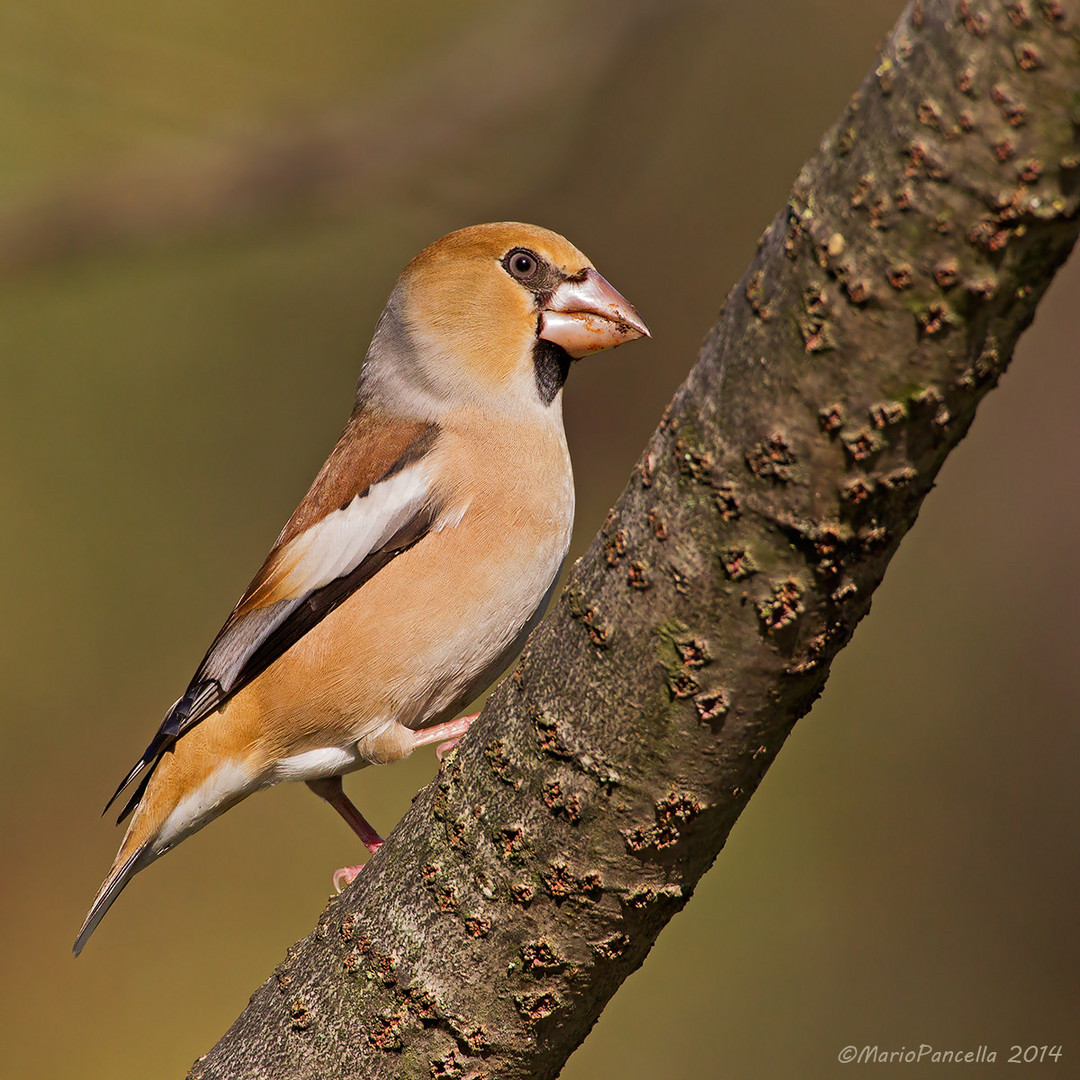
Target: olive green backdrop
x=171, y=381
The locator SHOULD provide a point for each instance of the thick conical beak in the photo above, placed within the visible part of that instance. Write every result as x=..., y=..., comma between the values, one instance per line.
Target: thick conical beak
x=587, y=316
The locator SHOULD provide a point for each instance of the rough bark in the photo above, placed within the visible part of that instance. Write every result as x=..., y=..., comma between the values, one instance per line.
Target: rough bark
x=533, y=875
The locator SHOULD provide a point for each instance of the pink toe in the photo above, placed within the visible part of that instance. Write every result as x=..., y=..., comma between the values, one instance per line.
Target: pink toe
x=444, y=748
x=344, y=877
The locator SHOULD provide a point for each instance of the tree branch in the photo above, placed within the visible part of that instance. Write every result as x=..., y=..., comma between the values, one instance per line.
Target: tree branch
x=533, y=875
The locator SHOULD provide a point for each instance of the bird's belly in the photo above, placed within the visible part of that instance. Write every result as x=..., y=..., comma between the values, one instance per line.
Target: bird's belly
x=424, y=636
x=478, y=667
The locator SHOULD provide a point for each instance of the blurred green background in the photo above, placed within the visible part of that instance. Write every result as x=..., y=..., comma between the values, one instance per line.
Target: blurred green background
x=202, y=210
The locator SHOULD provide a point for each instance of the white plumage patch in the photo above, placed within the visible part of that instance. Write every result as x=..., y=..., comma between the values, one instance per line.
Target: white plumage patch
x=338, y=543
x=316, y=764
x=196, y=808
x=329, y=550
x=452, y=518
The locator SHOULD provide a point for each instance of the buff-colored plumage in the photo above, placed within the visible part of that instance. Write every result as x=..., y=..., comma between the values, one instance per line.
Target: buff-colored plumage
x=422, y=555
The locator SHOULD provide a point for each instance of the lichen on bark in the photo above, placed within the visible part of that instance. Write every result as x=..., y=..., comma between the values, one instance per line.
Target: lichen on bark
x=533, y=875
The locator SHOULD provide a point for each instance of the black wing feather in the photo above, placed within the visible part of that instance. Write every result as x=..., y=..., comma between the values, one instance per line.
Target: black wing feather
x=206, y=695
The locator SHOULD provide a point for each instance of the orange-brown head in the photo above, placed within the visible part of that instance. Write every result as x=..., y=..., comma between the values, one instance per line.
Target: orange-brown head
x=492, y=316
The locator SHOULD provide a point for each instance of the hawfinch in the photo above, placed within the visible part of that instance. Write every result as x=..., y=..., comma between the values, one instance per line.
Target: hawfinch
x=414, y=567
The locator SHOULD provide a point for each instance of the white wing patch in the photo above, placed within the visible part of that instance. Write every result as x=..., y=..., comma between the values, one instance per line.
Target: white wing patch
x=338, y=543
x=329, y=550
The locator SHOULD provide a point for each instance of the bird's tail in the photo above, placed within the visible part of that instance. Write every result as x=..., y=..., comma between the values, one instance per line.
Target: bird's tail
x=134, y=854
x=194, y=782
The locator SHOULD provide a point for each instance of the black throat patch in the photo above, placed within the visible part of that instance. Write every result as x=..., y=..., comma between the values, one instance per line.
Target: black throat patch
x=551, y=363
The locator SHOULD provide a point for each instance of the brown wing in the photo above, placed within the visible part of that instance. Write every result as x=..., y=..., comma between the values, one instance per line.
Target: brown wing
x=371, y=449
x=284, y=600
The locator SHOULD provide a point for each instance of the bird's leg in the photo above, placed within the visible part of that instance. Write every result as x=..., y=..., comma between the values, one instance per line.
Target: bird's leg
x=330, y=789
x=447, y=735
x=452, y=731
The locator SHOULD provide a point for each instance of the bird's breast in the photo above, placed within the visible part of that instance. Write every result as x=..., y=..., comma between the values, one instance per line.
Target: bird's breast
x=437, y=624
x=501, y=561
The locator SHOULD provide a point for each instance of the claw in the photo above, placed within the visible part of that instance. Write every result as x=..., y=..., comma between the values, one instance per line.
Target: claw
x=344, y=877
x=444, y=748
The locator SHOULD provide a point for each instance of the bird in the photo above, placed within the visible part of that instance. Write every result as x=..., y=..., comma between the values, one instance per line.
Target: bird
x=422, y=555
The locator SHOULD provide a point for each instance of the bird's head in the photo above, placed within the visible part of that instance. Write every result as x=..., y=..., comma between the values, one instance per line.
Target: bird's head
x=493, y=315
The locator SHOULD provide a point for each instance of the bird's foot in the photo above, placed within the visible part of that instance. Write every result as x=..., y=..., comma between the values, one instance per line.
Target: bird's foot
x=444, y=748
x=447, y=735
x=331, y=790
x=344, y=877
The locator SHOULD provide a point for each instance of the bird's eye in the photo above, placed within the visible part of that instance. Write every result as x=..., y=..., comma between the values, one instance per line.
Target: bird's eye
x=522, y=264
